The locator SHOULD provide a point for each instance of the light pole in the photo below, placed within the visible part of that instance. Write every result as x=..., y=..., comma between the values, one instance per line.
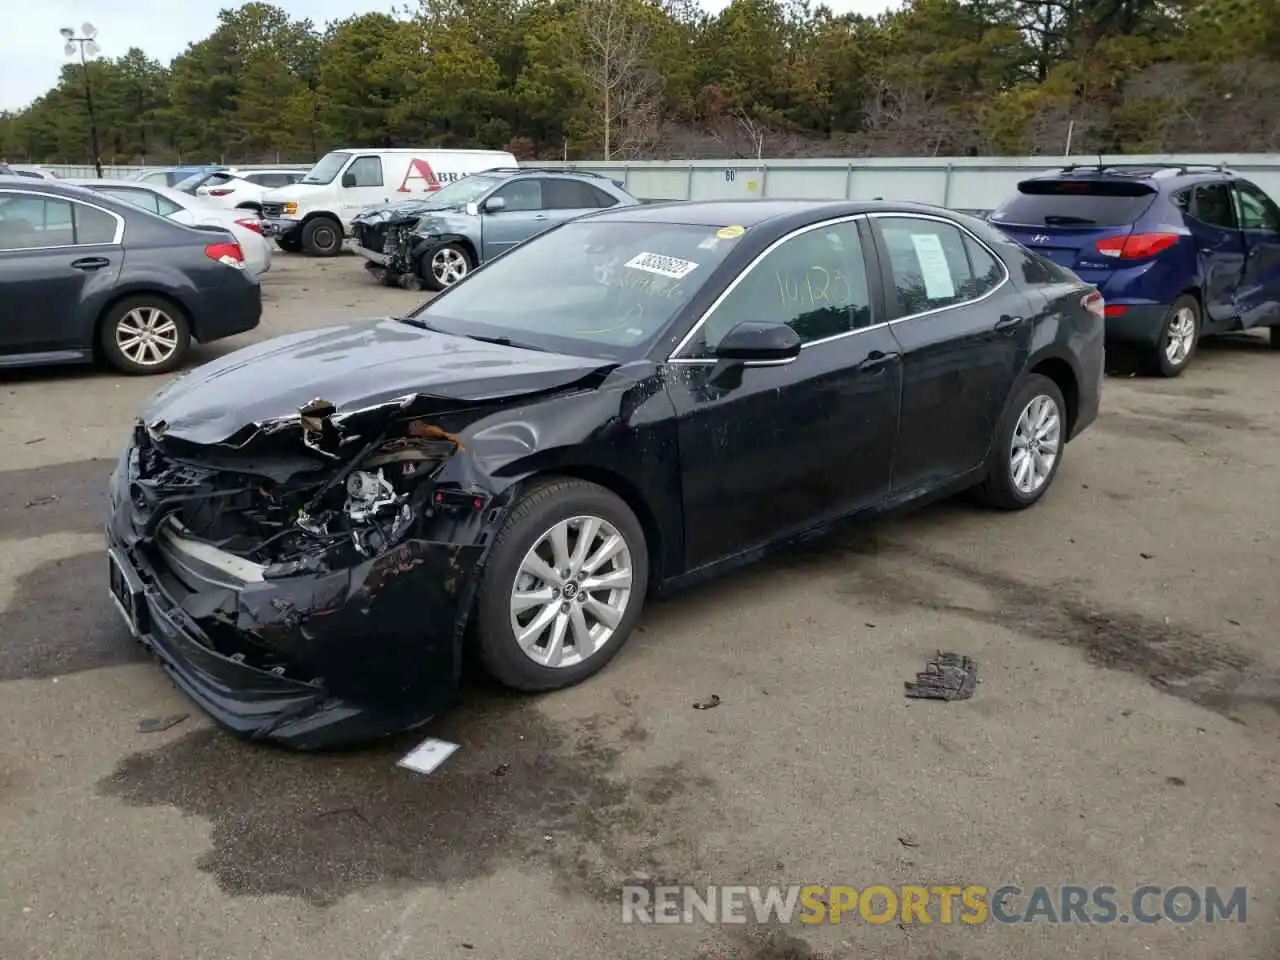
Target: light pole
x=88, y=47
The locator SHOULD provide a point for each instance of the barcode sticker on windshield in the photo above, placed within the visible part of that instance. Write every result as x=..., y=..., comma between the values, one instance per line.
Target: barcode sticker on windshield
x=672, y=267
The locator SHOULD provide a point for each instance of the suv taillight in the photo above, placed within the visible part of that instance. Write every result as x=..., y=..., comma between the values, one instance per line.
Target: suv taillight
x=1094, y=303
x=1136, y=246
x=228, y=253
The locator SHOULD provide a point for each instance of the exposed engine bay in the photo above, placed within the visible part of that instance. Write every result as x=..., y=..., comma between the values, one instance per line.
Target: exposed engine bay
x=332, y=500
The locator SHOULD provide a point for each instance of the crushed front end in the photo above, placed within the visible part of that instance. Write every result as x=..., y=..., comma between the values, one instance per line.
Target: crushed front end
x=308, y=581
x=383, y=236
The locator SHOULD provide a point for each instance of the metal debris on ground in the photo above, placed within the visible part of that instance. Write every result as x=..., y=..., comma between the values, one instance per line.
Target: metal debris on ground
x=714, y=701
x=502, y=769
x=426, y=756
x=157, y=724
x=948, y=676
x=41, y=501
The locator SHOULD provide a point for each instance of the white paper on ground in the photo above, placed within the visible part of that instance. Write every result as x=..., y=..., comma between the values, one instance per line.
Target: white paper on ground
x=426, y=756
x=934, y=268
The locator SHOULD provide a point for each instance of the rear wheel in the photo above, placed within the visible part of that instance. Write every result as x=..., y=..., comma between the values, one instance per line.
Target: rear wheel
x=1027, y=448
x=322, y=237
x=144, y=335
x=1179, y=336
x=563, y=586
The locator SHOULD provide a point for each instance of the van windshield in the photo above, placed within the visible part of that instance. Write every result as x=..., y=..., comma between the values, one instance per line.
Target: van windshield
x=326, y=168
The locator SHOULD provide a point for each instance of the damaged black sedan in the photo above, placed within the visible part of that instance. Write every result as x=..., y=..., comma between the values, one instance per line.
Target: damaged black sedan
x=313, y=533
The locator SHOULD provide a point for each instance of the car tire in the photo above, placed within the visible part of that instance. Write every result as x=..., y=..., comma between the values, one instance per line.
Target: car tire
x=576, y=507
x=1179, y=337
x=1003, y=487
x=289, y=244
x=120, y=335
x=445, y=265
x=1275, y=338
x=322, y=237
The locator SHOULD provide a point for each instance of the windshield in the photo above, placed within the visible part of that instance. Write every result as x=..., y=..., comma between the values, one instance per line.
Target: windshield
x=465, y=190
x=326, y=168
x=593, y=288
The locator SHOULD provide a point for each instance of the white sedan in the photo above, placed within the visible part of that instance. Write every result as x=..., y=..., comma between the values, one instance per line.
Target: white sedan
x=194, y=212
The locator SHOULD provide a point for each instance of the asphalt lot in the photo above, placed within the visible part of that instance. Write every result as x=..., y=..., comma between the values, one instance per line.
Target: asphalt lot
x=1125, y=731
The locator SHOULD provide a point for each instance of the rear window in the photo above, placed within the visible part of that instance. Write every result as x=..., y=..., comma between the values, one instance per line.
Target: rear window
x=1083, y=203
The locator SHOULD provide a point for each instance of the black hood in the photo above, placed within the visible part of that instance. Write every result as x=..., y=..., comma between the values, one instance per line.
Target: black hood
x=354, y=366
x=401, y=211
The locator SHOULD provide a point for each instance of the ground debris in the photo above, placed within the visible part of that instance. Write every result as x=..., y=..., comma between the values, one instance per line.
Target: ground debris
x=42, y=501
x=712, y=701
x=157, y=724
x=948, y=676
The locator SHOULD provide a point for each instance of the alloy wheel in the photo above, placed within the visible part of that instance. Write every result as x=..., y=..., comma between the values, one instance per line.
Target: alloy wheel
x=147, y=335
x=572, y=591
x=1181, y=337
x=448, y=266
x=1037, y=440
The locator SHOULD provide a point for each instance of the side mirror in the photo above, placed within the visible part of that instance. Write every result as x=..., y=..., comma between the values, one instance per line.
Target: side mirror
x=473, y=209
x=348, y=179
x=759, y=342
x=494, y=204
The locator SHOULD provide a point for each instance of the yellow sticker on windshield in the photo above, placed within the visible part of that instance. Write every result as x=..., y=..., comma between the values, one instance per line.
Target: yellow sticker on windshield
x=730, y=233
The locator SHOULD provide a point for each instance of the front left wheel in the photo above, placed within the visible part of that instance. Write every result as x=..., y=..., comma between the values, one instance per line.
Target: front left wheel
x=563, y=586
x=446, y=265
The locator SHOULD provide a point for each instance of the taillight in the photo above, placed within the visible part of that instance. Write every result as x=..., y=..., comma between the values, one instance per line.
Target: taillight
x=1117, y=309
x=1136, y=246
x=248, y=224
x=221, y=191
x=228, y=253
x=1094, y=303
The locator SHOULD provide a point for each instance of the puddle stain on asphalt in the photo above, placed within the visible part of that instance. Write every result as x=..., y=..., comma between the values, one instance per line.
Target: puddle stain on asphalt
x=63, y=498
x=60, y=621
x=320, y=826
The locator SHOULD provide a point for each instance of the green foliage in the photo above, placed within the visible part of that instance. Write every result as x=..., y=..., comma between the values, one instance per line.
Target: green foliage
x=637, y=78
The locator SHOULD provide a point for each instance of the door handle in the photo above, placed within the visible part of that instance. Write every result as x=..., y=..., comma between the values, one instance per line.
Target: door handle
x=90, y=264
x=1007, y=324
x=877, y=362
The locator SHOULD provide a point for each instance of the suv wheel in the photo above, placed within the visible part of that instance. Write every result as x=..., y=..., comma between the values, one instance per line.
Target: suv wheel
x=446, y=265
x=1179, y=337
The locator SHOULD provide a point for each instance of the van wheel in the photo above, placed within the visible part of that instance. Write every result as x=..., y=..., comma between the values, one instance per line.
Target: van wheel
x=322, y=237
x=144, y=335
x=445, y=265
x=1179, y=337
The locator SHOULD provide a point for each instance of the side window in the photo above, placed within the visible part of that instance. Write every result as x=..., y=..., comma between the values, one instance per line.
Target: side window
x=929, y=264
x=1182, y=200
x=985, y=270
x=1255, y=209
x=367, y=171
x=601, y=198
x=94, y=226
x=139, y=198
x=1211, y=204
x=815, y=283
x=568, y=195
x=28, y=222
x=166, y=207
x=522, y=195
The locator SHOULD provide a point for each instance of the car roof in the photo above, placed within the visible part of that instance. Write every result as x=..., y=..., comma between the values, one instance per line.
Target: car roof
x=750, y=213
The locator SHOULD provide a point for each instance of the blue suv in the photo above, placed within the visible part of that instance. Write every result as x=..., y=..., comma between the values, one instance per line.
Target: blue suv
x=1178, y=252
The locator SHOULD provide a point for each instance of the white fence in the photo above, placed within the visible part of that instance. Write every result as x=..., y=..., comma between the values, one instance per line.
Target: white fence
x=976, y=183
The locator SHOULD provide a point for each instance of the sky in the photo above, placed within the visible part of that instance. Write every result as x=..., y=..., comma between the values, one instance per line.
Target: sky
x=31, y=52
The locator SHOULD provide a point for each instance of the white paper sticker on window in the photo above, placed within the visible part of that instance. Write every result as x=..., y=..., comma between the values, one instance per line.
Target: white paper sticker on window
x=936, y=272
x=672, y=267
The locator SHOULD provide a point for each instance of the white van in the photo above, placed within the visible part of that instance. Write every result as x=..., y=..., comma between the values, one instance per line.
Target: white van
x=315, y=213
